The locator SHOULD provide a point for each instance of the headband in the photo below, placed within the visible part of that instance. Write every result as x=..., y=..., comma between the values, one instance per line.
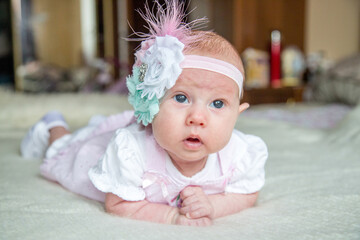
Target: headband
x=214, y=65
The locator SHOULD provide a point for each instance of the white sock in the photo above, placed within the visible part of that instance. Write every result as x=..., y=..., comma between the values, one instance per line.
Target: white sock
x=54, y=119
x=36, y=141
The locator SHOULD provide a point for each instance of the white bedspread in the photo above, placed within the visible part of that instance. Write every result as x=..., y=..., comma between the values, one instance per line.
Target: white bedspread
x=312, y=188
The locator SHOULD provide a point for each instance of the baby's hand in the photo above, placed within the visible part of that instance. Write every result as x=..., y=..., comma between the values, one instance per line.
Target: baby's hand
x=200, y=222
x=195, y=203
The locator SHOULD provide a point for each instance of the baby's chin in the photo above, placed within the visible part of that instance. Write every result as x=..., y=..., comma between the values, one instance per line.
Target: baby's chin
x=191, y=156
x=187, y=156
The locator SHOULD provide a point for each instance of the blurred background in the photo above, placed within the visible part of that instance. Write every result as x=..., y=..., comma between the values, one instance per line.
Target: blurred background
x=78, y=45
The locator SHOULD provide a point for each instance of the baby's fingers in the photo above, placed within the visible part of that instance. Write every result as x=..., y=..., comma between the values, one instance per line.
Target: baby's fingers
x=196, y=210
x=201, y=222
x=185, y=210
x=190, y=191
x=189, y=201
x=199, y=213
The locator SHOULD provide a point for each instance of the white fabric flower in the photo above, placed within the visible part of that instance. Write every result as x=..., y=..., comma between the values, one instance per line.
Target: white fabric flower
x=163, y=60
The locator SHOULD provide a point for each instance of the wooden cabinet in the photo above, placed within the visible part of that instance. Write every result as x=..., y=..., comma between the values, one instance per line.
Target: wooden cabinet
x=273, y=95
x=254, y=20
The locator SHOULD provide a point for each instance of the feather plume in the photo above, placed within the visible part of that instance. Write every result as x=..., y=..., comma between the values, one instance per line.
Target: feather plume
x=168, y=19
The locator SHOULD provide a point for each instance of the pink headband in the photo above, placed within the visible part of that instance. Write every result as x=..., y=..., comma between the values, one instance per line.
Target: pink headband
x=214, y=65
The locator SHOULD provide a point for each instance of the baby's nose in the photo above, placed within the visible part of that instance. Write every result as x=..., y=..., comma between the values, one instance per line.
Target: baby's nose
x=197, y=117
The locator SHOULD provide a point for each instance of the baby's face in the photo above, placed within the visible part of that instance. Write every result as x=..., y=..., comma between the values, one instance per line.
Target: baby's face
x=197, y=115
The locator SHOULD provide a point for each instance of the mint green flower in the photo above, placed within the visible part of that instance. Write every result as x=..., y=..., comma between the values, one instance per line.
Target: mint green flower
x=145, y=108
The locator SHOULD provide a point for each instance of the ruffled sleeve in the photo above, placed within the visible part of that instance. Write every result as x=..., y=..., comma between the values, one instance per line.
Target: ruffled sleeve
x=247, y=172
x=121, y=168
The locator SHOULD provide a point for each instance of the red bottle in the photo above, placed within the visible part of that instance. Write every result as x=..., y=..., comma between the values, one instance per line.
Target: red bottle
x=275, y=64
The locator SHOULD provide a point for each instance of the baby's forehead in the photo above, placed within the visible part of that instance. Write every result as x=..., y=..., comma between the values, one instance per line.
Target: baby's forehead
x=213, y=70
x=206, y=80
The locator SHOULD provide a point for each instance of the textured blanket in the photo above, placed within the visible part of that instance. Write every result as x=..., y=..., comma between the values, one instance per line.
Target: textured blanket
x=312, y=188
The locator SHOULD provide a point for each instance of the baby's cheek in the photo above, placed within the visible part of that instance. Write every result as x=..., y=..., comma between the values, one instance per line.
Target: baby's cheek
x=221, y=139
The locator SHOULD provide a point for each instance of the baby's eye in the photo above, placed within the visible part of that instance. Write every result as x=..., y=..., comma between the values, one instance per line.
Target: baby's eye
x=217, y=104
x=181, y=98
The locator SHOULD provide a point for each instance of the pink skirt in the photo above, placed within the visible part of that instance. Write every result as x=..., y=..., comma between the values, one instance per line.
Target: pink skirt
x=69, y=158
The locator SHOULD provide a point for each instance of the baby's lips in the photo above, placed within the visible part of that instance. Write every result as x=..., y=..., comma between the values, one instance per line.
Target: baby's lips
x=194, y=138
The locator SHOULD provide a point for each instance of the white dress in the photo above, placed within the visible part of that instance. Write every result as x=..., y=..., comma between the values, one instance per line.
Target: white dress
x=122, y=157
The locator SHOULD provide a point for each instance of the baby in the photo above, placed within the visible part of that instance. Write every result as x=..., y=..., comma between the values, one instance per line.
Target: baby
x=176, y=159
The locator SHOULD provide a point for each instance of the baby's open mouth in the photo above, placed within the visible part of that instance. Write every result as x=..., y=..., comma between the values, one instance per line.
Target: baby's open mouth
x=193, y=143
x=194, y=140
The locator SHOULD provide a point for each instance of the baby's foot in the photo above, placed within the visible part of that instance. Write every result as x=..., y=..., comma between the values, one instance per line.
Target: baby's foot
x=36, y=141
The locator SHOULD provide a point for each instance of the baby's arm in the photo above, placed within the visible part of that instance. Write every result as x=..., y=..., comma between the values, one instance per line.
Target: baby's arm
x=154, y=212
x=197, y=204
x=230, y=203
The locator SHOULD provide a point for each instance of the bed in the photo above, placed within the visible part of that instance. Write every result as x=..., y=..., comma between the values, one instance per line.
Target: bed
x=312, y=188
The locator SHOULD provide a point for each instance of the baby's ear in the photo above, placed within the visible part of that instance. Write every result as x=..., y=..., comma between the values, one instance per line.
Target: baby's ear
x=243, y=107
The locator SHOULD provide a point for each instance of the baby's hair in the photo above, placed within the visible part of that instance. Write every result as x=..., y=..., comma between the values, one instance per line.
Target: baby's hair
x=213, y=45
